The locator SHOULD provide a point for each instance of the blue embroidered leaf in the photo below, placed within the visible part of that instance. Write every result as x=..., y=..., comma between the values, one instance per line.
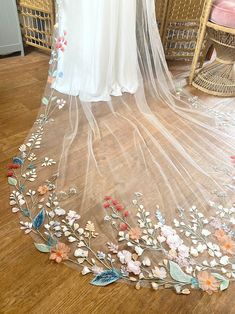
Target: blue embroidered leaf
x=224, y=282
x=45, y=101
x=106, y=278
x=18, y=161
x=12, y=181
x=42, y=247
x=39, y=219
x=178, y=275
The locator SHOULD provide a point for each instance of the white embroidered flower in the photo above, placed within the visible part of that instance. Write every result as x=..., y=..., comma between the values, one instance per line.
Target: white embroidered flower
x=183, y=251
x=124, y=256
x=134, y=267
x=146, y=262
x=59, y=211
x=26, y=226
x=167, y=231
x=72, y=216
x=85, y=270
x=97, y=270
x=81, y=253
x=48, y=162
x=23, y=148
x=159, y=272
x=139, y=250
x=61, y=103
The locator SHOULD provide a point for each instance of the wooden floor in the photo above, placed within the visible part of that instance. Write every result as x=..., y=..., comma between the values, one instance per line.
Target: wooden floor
x=28, y=283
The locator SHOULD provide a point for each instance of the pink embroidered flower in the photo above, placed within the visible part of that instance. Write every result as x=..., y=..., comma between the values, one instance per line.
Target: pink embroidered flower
x=135, y=233
x=233, y=159
x=43, y=190
x=123, y=227
x=134, y=267
x=208, y=282
x=13, y=166
x=126, y=213
x=10, y=173
x=115, y=202
x=119, y=207
x=61, y=42
x=108, y=198
x=106, y=205
x=59, y=253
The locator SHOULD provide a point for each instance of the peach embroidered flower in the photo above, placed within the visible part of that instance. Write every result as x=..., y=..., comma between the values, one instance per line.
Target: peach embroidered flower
x=207, y=282
x=50, y=79
x=135, y=233
x=43, y=189
x=228, y=245
x=225, y=242
x=59, y=253
x=220, y=234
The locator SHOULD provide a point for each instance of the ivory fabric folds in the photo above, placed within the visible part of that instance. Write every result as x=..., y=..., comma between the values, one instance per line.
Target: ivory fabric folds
x=124, y=176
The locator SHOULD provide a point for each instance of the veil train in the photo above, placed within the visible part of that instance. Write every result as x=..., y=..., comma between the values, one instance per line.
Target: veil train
x=138, y=188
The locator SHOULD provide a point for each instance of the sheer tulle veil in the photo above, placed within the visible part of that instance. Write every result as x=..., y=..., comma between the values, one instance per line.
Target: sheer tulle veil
x=138, y=188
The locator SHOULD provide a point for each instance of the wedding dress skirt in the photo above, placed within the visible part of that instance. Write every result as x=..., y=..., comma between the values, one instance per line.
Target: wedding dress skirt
x=102, y=60
x=124, y=175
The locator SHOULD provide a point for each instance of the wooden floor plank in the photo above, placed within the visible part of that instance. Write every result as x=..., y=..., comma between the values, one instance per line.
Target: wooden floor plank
x=28, y=282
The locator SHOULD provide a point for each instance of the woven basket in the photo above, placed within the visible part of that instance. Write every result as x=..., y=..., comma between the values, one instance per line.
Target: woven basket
x=181, y=28
x=37, y=20
x=218, y=78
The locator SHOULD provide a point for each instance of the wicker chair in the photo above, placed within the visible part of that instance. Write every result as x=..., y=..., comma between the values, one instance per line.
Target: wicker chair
x=161, y=9
x=181, y=28
x=218, y=77
x=37, y=20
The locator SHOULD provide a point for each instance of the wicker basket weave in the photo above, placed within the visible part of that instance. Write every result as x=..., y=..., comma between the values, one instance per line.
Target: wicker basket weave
x=218, y=78
x=181, y=28
x=37, y=20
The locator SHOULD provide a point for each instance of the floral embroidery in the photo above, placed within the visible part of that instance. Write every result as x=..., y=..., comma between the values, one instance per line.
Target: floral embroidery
x=194, y=252
x=59, y=253
x=207, y=282
x=61, y=42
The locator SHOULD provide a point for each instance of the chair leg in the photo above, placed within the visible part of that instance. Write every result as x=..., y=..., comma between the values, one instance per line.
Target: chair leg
x=202, y=33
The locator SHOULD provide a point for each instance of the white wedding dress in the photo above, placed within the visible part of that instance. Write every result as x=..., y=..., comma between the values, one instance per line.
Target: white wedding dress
x=123, y=176
x=103, y=57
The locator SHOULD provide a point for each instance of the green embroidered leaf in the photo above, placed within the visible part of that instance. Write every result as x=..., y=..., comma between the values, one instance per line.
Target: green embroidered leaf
x=224, y=281
x=51, y=241
x=45, y=101
x=26, y=212
x=12, y=181
x=53, y=98
x=106, y=278
x=39, y=219
x=178, y=275
x=114, y=216
x=42, y=247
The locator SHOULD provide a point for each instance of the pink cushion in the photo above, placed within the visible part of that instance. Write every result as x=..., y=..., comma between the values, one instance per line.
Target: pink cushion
x=223, y=13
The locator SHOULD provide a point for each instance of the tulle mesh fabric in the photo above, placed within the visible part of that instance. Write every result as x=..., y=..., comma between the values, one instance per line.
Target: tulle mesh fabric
x=161, y=142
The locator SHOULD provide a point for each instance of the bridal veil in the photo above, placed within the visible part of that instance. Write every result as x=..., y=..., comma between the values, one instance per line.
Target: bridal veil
x=138, y=187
